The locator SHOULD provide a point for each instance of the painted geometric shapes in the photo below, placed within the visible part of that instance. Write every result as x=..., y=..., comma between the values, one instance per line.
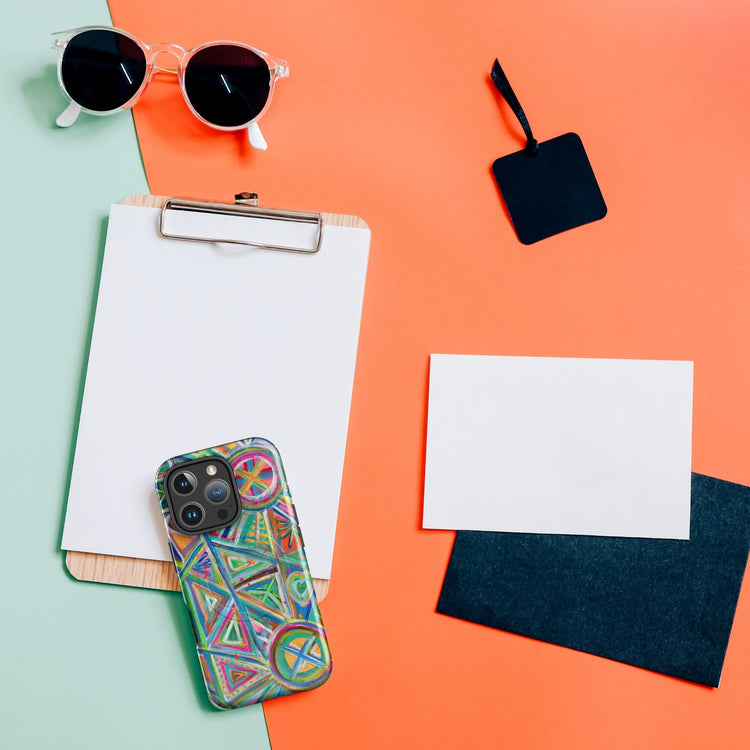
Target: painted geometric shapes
x=182, y=546
x=235, y=682
x=261, y=632
x=266, y=597
x=240, y=566
x=205, y=568
x=299, y=586
x=250, y=596
x=299, y=590
x=254, y=533
x=299, y=656
x=231, y=634
x=202, y=566
x=208, y=602
x=257, y=478
x=285, y=532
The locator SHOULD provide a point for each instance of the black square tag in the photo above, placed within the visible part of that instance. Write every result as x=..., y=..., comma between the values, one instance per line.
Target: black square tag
x=549, y=191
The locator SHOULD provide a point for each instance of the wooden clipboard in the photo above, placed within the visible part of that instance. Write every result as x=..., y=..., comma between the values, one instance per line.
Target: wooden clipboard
x=158, y=574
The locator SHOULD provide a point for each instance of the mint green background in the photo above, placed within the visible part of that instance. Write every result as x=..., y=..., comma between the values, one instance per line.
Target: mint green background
x=81, y=665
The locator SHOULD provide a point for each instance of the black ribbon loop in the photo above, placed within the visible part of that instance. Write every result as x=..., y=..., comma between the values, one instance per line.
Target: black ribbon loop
x=503, y=86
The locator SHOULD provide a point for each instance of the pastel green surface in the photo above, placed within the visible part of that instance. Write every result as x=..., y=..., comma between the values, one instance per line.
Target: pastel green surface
x=83, y=665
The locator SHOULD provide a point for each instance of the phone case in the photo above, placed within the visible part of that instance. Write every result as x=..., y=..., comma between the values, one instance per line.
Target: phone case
x=248, y=588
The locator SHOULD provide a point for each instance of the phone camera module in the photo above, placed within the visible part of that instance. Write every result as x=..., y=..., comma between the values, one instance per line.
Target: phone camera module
x=217, y=491
x=184, y=483
x=191, y=515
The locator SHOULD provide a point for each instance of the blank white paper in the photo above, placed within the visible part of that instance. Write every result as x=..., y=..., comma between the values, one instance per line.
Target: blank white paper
x=198, y=344
x=559, y=446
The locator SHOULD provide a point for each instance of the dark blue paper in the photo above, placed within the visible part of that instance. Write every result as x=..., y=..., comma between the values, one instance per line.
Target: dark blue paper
x=661, y=604
x=550, y=191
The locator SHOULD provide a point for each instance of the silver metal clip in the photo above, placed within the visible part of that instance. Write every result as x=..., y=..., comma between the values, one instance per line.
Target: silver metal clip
x=246, y=204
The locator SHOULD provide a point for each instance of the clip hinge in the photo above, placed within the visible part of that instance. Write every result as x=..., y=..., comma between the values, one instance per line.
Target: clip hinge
x=246, y=199
x=245, y=204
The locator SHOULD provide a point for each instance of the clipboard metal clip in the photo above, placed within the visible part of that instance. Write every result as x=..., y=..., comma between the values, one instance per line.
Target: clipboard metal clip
x=245, y=205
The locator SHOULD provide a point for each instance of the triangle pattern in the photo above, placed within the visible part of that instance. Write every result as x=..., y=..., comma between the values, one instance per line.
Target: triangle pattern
x=236, y=563
x=236, y=676
x=254, y=533
x=266, y=594
x=240, y=565
x=208, y=602
x=231, y=634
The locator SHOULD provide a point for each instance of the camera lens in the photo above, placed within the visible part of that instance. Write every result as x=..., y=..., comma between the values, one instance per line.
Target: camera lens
x=217, y=491
x=184, y=483
x=191, y=514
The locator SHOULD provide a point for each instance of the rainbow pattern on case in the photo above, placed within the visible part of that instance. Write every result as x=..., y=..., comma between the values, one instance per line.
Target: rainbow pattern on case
x=248, y=588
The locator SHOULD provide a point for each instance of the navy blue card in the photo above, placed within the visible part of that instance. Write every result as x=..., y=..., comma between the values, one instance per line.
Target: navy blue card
x=661, y=604
x=550, y=190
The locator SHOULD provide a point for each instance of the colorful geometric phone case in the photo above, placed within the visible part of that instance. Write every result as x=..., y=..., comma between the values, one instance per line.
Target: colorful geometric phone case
x=248, y=588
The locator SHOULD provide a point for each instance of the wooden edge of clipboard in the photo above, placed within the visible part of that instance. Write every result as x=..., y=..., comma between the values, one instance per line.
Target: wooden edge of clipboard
x=160, y=574
x=134, y=571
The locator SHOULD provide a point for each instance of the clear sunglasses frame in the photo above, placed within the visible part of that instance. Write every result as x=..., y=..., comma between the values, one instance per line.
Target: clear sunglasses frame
x=278, y=69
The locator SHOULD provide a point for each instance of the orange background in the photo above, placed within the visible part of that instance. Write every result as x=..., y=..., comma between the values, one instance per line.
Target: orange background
x=389, y=114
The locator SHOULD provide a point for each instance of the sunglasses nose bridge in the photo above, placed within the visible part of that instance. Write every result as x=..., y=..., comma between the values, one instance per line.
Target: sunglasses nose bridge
x=162, y=49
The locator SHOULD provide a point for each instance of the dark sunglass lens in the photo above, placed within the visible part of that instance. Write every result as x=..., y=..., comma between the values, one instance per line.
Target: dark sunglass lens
x=102, y=70
x=227, y=85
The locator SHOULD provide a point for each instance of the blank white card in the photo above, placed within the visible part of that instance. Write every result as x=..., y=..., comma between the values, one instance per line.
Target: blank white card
x=559, y=446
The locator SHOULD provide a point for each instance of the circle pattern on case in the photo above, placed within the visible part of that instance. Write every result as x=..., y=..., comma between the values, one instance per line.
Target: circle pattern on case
x=257, y=479
x=299, y=656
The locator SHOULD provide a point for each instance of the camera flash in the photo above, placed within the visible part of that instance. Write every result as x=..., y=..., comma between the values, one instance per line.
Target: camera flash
x=210, y=470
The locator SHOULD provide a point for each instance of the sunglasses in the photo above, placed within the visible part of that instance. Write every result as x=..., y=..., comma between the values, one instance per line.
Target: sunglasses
x=226, y=85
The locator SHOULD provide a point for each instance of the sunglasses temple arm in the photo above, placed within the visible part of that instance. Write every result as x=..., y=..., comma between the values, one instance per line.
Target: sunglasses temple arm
x=69, y=116
x=256, y=137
